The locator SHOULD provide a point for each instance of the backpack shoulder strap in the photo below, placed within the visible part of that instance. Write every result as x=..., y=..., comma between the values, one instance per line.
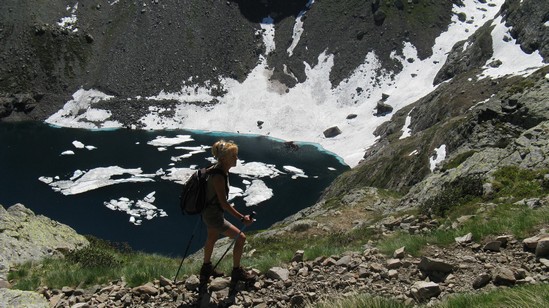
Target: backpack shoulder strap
x=213, y=171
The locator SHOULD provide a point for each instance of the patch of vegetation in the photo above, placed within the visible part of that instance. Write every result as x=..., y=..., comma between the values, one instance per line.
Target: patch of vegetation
x=498, y=215
x=459, y=191
x=99, y=263
x=275, y=251
x=458, y=160
x=518, y=183
x=523, y=296
x=520, y=86
x=360, y=301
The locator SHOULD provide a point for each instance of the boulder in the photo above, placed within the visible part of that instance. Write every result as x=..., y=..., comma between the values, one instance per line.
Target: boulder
x=192, y=283
x=399, y=253
x=219, y=283
x=393, y=263
x=482, y=280
x=542, y=248
x=435, y=265
x=344, y=261
x=492, y=246
x=383, y=109
x=530, y=243
x=25, y=236
x=423, y=290
x=147, y=288
x=504, y=276
x=298, y=256
x=332, y=132
x=278, y=273
x=467, y=238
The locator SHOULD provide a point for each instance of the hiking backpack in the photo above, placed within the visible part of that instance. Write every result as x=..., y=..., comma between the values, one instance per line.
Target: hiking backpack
x=193, y=196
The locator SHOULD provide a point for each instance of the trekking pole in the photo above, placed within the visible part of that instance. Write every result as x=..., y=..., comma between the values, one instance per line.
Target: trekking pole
x=234, y=241
x=186, y=250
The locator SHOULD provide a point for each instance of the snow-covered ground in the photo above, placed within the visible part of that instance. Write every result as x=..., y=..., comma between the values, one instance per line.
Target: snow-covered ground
x=306, y=110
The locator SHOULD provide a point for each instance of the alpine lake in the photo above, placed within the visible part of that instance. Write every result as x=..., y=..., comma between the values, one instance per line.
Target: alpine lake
x=49, y=170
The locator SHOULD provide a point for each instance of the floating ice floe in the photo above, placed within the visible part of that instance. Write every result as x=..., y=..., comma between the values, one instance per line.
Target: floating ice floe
x=255, y=170
x=97, y=178
x=192, y=151
x=298, y=173
x=138, y=209
x=68, y=152
x=77, y=144
x=257, y=192
x=162, y=141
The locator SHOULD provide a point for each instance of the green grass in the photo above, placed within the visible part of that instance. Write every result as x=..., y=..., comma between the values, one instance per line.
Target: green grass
x=100, y=263
x=523, y=296
x=517, y=220
x=359, y=301
x=511, y=181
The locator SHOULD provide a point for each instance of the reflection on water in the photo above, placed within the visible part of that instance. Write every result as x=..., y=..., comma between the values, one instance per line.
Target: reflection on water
x=123, y=185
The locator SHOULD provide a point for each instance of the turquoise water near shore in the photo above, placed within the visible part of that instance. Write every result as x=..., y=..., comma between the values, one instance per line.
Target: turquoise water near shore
x=32, y=150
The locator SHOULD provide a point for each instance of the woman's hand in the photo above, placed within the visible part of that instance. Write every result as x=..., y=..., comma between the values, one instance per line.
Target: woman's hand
x=247, y=220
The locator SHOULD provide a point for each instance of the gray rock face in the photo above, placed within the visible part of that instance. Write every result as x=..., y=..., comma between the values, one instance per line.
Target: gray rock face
x=522, y=140
x=25, y=236
x=17, y=298
x=526, y=19
x=478, y=51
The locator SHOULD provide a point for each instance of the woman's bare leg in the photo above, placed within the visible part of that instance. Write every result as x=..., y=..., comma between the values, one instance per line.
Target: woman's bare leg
x=213, y=235
x=232, y=232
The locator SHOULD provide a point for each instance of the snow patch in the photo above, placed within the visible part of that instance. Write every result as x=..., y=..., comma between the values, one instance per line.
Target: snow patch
x=268, y=34
x=439, y=156
x=298, y=28
x=69, y=23
x=514, y=60
x=406, y=130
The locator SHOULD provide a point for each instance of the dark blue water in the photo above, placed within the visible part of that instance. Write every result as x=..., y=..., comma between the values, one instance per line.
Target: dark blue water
x=31, y=150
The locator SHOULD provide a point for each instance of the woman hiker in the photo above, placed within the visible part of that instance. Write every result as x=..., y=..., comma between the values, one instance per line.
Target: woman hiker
x=217, y=191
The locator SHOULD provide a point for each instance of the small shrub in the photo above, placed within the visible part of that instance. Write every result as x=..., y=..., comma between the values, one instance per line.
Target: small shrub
x=460, y=191
x=90, y=257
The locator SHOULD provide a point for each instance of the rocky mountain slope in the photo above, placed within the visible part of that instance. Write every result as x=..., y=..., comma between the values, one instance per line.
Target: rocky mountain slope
x=128, y=48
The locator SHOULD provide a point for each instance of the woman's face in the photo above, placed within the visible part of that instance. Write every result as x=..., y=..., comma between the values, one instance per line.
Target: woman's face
x=231, y=158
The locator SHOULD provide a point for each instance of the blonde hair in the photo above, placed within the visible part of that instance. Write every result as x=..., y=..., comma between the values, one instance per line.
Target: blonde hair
x=222, y=147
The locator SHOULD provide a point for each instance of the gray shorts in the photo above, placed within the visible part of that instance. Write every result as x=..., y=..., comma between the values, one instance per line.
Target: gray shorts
x=213, y=217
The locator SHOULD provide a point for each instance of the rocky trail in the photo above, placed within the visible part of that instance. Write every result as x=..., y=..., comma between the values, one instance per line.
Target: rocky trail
x=465, y=266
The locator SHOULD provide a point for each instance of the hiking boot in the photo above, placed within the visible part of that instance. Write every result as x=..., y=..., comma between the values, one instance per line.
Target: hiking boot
x=208, y=271
x=239, y=274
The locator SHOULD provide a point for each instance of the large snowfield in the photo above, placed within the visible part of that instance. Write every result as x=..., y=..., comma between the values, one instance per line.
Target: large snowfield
x=303, y=112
